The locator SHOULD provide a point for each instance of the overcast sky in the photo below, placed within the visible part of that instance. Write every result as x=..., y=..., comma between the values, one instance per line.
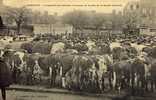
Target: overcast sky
x=105, y=6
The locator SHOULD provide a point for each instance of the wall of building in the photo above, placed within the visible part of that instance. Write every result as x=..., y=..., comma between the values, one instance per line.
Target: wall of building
x=145, y=11
x=148, y=31
x=92, y=32
x=52, y=29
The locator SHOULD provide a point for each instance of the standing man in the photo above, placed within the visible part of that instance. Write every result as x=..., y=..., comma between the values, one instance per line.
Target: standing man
x=5, y=77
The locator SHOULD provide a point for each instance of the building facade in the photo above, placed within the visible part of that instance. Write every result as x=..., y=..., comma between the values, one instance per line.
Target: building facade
x=145, y=13
x=54, y=29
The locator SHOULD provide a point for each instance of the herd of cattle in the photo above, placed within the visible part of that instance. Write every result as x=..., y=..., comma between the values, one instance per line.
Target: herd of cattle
x=87, y=65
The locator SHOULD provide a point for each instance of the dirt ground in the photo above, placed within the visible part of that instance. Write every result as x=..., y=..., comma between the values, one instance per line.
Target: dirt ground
x=20, y=95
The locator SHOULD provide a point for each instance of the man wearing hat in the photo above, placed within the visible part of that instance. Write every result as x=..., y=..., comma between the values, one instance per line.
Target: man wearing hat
x=5, y=77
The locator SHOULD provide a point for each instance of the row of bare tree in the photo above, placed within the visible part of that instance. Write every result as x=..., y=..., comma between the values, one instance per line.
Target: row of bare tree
x=78, y=19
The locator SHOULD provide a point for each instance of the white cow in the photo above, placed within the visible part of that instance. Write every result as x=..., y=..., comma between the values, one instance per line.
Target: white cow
x=57, y=47
x=21, y=56
x=115, y=45
x=71, y=51
x=90, y=44
x=138, y=47
x=104, y=61
x=37, y=72
x=6, y=39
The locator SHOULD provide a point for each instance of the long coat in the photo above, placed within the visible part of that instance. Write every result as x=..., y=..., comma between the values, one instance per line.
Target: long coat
x=5, y=74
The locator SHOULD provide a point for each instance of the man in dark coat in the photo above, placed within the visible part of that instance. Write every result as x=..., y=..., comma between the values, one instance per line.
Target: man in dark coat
x=5, y=77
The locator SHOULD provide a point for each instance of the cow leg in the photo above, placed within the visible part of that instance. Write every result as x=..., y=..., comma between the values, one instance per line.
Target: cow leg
x=155, y=83
x=14, y=75
x=133, y=84
x=110, y=77
x=118, y=84
x=122, y=82
x=142, y=90
x=152, y=88
x=3, y=93
x=63, y=82
x=54, y=74
x=53, y=79
x=110, y=83
x=146, y=84
x=114, y=80
x=63, y=78
x=40, y=78
x=50, y=75
x=138, y=87
x=18, y=76
x=103, y=84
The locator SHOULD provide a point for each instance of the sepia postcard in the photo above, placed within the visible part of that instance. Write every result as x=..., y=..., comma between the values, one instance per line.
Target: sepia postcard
x=78, y=49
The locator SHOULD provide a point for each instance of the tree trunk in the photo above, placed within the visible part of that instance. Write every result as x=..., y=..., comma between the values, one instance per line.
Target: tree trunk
x=18, y=27
x=97, y=33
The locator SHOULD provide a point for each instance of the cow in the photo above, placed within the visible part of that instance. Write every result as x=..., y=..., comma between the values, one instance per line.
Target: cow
x=130, y=73
x=20, y=56
x=37, y=72
x=102, y=65
x=138, y=47
x=50, y=65
x=131, y=52
x=80, y=47
x=115, y=45
x=119, y=53
x=27, y=46
x=57, y=65
x=138, y=69
x=33, y=69
x=65, y=65
x=150, y=73
x=153, y=74
x=90, y=44
x=19, y=62
x=152, y=53
x=82, y=65
x=105, y=48
x=121, y=74
x=6, y=40
x=40, y=47
x=57, y=47
x=71, y=51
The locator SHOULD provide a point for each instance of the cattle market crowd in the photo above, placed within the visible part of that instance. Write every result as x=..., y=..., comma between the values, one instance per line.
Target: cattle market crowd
x=85, y=64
